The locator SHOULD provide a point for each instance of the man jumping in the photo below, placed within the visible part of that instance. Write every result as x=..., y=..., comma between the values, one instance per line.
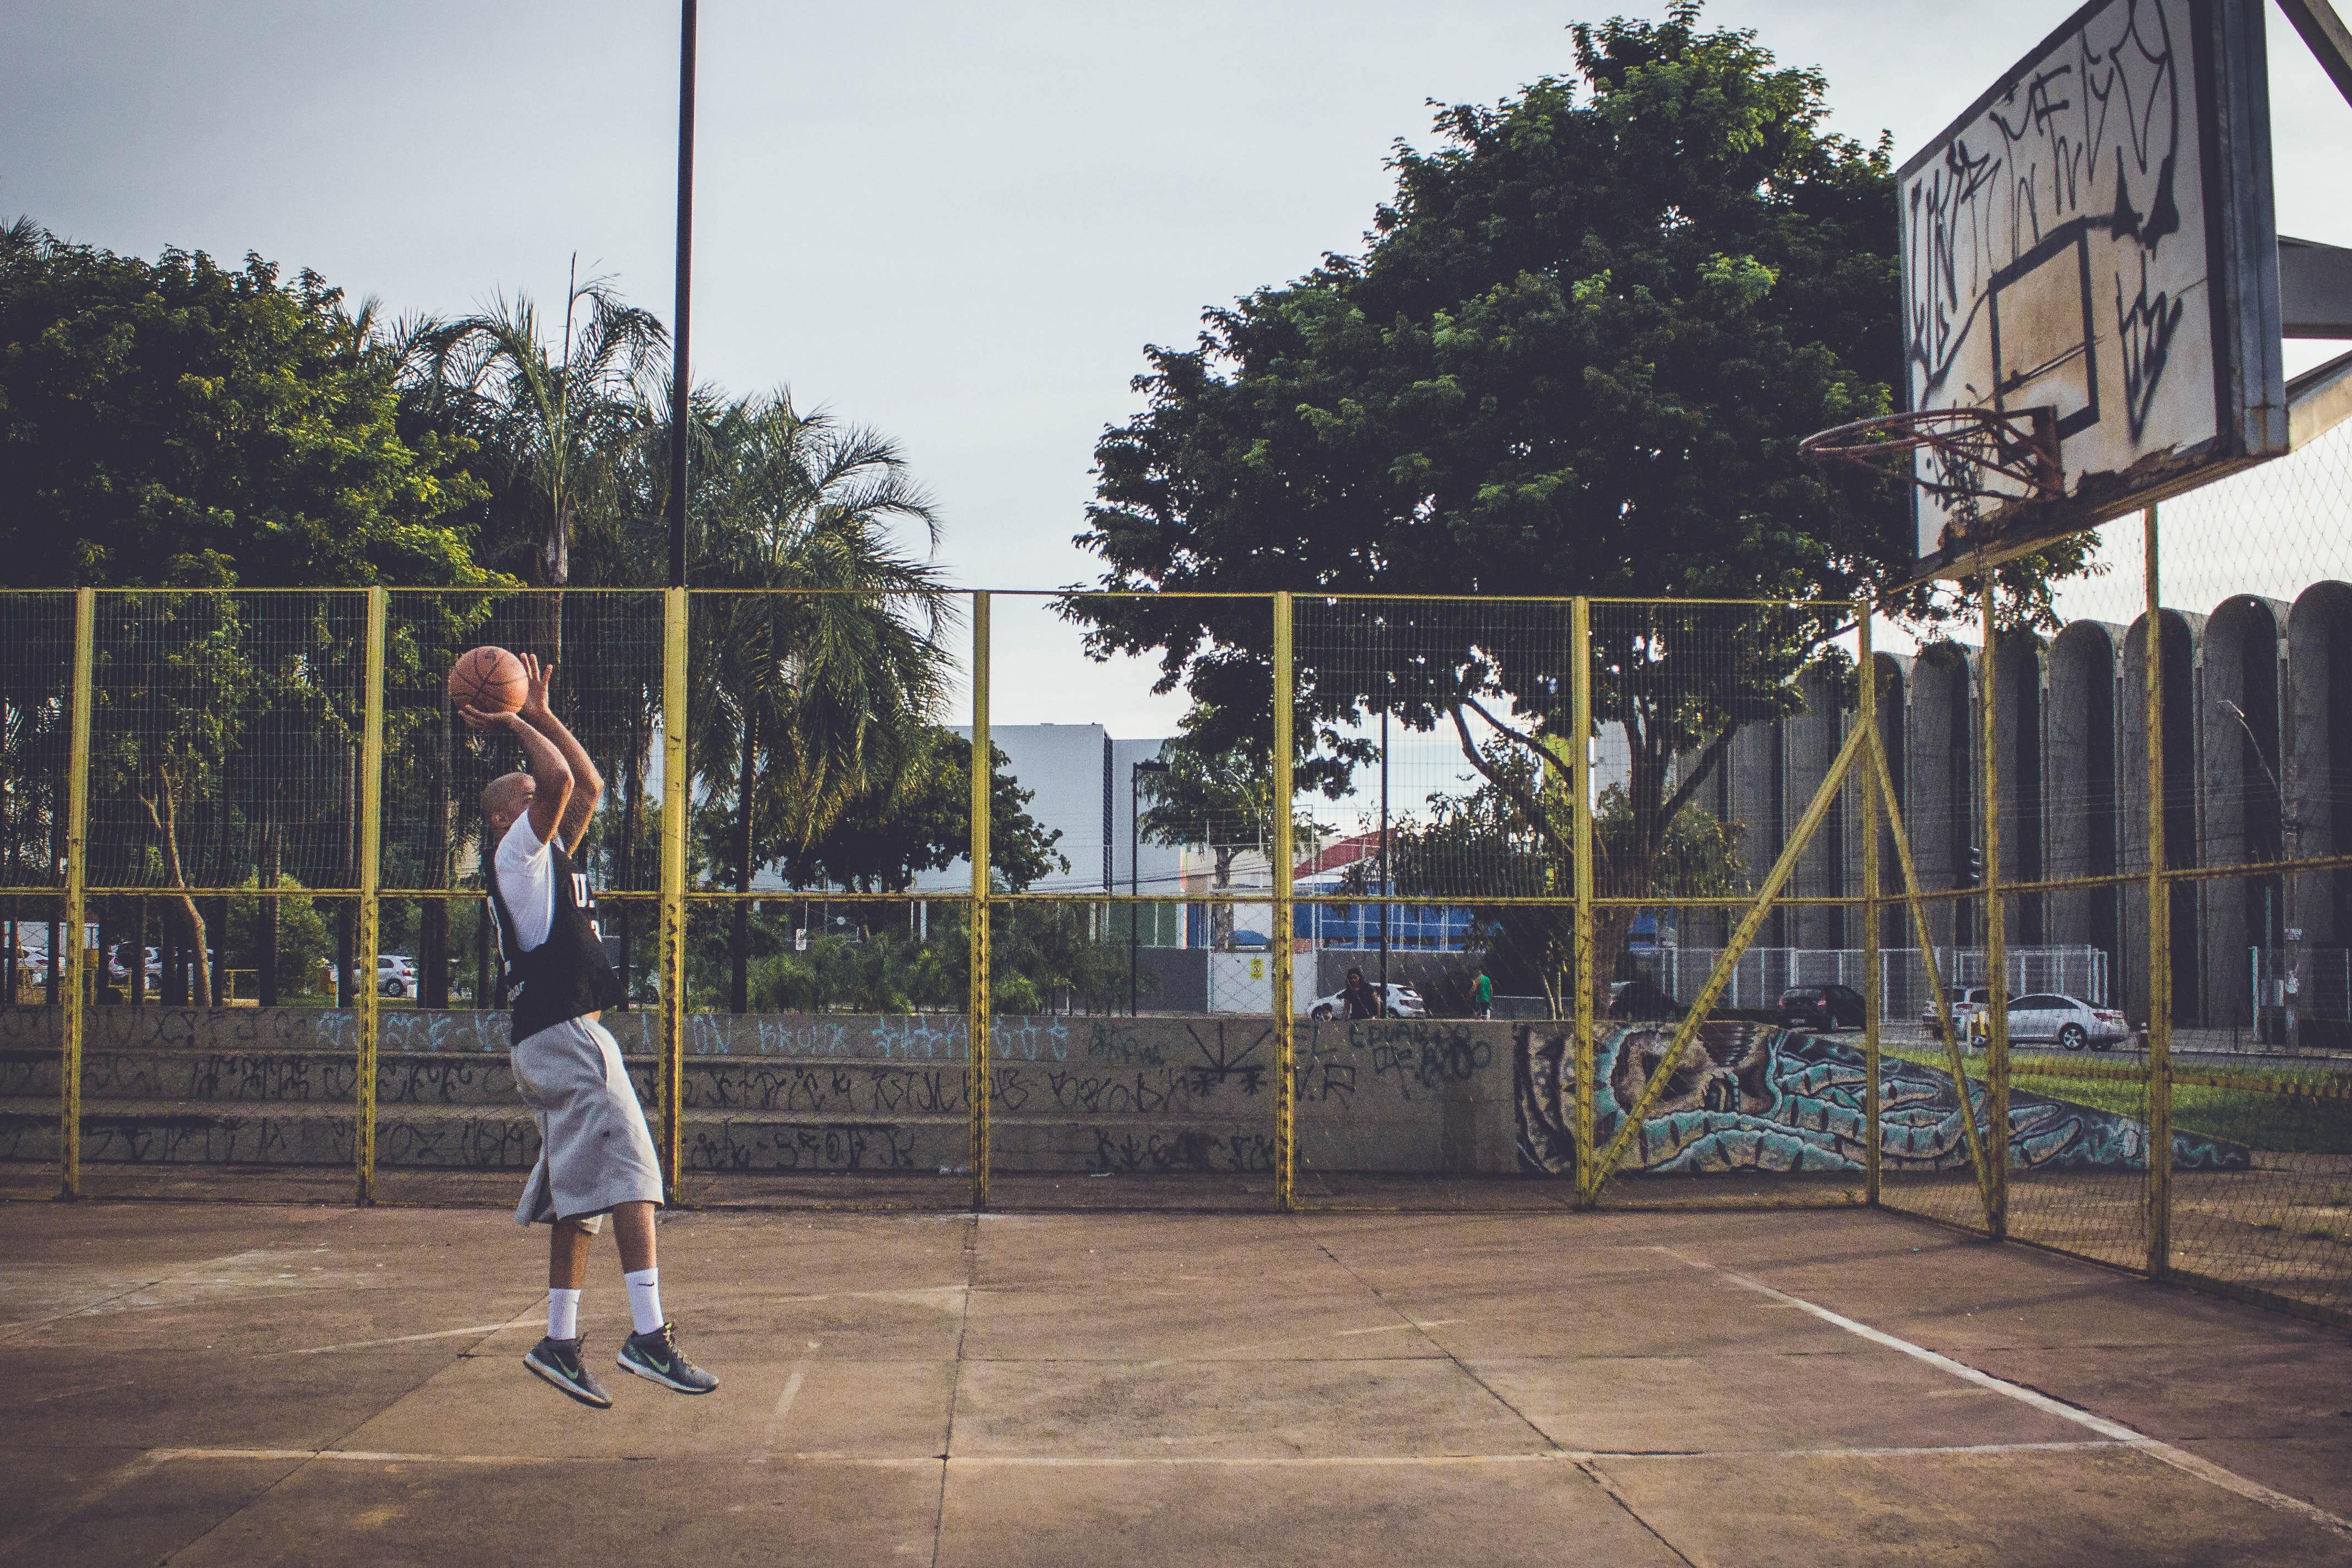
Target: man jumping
x=595, y=1157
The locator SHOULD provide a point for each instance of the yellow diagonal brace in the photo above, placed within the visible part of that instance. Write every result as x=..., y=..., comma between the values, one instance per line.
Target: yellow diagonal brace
x=1752, y=922
x=1977, y=1162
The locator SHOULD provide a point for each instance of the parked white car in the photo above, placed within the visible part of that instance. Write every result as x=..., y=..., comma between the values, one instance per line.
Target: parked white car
x=1405, y=1002
x=1967, y=1001
x=395, y=975
x=2054, y=1017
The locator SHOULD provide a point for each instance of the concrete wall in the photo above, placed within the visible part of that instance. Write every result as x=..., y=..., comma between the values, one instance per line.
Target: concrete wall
x=1130, y=1095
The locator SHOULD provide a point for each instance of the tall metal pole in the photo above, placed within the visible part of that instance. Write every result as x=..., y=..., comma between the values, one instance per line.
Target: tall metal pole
x=2159, y=924
x=1285, y=1011
x=1579, y=1007
x=677, y=783
x=1996, y=935
x=682, y=377
x=367, y=1007
x=979, y=1018
x=1134, y=884
x=72, y=1017
x=1384, y=862
x=1873, y=982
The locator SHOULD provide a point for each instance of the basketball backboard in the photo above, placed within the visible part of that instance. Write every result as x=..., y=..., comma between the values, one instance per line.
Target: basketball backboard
x=2094, y=236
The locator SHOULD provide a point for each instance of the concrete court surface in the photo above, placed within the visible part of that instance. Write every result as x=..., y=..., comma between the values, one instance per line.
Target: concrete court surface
x=239, y=1384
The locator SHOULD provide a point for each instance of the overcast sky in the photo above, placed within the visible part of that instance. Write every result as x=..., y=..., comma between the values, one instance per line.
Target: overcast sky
x=957, y=223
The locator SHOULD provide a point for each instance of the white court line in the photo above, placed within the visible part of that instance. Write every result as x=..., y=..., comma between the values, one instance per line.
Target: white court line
x=1392, y=1328
x=783, y=1408
x=1145, y=1461
x=396, y=1339
x=2180, y=1459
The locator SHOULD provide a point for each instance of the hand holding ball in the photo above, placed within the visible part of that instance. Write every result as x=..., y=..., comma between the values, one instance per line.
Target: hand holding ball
x=487, y=681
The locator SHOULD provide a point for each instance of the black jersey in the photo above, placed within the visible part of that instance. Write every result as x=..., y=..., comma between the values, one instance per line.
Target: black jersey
x=569, y=974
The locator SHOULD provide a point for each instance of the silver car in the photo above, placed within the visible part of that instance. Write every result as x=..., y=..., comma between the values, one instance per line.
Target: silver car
x=2052, y=1018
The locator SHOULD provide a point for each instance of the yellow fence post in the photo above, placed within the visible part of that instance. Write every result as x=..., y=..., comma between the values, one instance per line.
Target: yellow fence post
x=74, y=1007
x=2159, y=925
x=1579, y=811
x=978, y=1022
x=1606, y=1164
x=1996, y=929
x=677, y=778
x=1872, y=997
x=1286, y=1032
x=365, y=999
x=1978, y=1162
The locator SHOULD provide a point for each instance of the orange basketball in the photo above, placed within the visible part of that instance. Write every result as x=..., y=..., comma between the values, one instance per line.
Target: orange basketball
x=490, y=678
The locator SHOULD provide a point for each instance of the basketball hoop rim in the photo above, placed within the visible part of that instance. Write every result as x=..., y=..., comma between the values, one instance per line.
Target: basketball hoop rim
x=2021, y=445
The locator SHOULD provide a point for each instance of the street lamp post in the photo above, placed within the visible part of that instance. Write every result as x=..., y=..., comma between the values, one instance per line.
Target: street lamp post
x=681, y=382
x=1134, y=881
x=1384, y=862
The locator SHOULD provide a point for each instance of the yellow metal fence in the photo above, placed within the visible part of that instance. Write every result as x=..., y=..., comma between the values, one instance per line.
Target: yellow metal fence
x=353, y=752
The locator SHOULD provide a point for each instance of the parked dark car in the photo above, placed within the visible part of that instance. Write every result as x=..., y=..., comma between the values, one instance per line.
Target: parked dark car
x=1640, y=1000
x=1820, y=1006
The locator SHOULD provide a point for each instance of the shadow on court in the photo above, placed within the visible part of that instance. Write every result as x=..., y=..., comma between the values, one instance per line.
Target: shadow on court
x=282, y=1384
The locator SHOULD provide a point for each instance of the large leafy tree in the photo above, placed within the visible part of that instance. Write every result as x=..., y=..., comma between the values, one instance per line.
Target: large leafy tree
x=555, y=422
x=1575, y=357
x=822, y=690
x=179, y=422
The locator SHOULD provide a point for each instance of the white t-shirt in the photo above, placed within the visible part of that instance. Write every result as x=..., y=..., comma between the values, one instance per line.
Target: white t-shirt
x=527, y=881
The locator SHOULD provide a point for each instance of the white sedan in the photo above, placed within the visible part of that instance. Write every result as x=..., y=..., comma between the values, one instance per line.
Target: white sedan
x=2054, y=1017
x=1405, y=1002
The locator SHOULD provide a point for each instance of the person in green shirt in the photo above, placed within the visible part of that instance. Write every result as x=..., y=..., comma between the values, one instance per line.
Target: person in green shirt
x=1481, y=994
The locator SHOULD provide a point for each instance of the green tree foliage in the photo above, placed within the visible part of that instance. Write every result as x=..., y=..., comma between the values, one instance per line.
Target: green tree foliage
x=884, y=838
x=822, y=695
x=1576, y=357
x=555, y=424
x=177, y=423
x=1483, y=842
x=1047, y=957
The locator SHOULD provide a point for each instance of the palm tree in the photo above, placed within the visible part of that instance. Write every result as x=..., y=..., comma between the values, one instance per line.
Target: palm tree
x=818, y=696
x=555, y=426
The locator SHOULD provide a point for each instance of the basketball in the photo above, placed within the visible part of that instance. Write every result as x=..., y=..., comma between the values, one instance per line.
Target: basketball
x=490, y=678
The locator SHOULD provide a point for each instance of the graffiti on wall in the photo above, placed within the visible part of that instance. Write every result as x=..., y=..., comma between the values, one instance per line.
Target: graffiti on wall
x=1749, y=1097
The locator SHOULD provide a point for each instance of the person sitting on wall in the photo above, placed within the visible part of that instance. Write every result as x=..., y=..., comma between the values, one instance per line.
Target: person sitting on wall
x=1356, y=999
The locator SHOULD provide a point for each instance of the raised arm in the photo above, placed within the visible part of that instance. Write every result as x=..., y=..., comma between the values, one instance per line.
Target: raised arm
x=551, y=776
x=587, y=784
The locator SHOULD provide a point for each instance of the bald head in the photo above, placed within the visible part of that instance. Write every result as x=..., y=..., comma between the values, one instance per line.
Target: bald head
x=506, y=798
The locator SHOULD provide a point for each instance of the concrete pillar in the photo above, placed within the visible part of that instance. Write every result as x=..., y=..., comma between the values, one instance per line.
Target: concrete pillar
x=2181, y=787
x=1811, y=740
x=2018, y=665
x=2079, y=782
x=2241, y=805
x=1941, y=783
x=2319, y=817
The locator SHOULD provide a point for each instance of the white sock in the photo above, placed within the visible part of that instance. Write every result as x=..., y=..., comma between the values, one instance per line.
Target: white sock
x=644, y=1299
x=562, y=1314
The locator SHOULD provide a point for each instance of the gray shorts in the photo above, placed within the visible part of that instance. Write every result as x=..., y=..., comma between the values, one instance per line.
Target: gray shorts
x=593, y=1149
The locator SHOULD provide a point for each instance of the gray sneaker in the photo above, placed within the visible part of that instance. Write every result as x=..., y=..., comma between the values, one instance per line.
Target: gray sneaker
x=656, y=1357
x=557, y=1361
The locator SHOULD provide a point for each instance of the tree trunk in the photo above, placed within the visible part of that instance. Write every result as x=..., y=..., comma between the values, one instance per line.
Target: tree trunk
x=739, y=938
x=625, y=878
x=482, y=954
x=346, y=934
x=555, y=572
x=163, y=811
x=265, y=917
x=433, y=916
